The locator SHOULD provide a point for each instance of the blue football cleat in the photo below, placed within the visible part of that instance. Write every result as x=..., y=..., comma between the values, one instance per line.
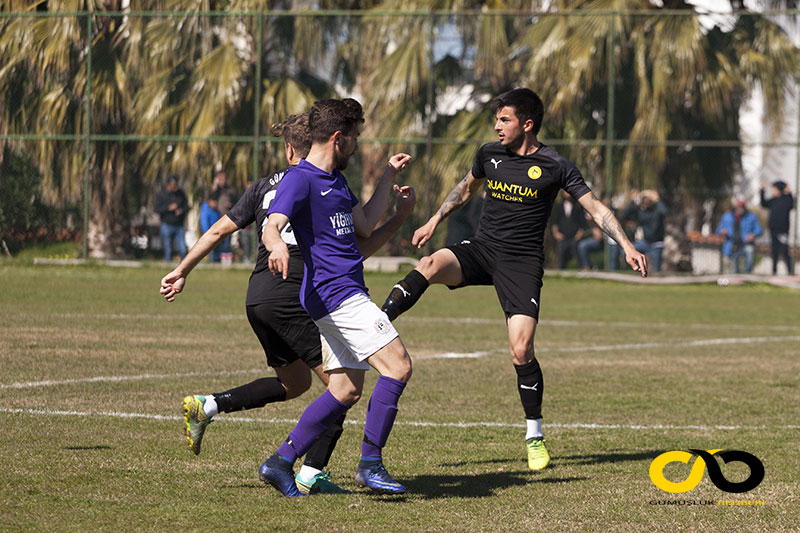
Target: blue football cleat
x=280, y=476
x=375, y=477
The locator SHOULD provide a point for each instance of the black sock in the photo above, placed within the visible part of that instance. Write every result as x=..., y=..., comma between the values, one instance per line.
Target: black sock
x=320, y=453
x=531, y=386
x=251, y=396
x=405, y=294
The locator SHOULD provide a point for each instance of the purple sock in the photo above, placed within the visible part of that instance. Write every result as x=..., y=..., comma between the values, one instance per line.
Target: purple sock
x=314, y=420
x=381, y=411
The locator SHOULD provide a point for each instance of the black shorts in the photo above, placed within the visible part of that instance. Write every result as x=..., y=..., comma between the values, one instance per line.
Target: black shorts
x=516, y=278
x=286, y=333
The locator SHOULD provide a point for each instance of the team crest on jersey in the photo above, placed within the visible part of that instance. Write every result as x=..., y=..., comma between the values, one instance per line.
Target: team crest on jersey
x=382, y=325
x=535, y=172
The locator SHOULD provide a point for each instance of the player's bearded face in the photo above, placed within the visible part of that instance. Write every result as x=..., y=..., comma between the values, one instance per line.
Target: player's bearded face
x=346, y=146
x=508, y=128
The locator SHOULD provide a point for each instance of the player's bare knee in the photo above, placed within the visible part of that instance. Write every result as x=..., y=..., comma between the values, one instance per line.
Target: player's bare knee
x=348, y=395
x=426, y=266
x=400, y=368
x=521, y=353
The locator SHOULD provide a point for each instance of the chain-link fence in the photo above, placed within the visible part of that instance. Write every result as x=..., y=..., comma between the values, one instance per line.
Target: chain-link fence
x=101, y=107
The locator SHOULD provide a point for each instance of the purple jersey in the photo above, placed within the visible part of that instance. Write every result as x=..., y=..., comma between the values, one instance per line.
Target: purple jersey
x=320, y=208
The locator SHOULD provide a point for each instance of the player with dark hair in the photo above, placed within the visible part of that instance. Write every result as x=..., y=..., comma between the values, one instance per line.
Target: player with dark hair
x=326, y=219
x=521, y=177
x=289, y=337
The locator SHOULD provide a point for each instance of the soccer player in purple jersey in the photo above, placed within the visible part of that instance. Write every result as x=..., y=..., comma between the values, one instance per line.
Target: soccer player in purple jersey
x=521, y=177
x=290, y=339
x=326, y=219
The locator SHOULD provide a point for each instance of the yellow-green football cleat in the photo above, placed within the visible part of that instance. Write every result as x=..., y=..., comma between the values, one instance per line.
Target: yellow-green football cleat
x=538, y=458
x=196, y=421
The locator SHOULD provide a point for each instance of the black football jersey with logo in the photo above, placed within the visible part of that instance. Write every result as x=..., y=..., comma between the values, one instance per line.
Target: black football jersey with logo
x=520, y=191
x=253, y=206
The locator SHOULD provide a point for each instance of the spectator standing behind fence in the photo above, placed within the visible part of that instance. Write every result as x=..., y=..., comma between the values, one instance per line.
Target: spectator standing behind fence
x=569, y=221
x=171, y=205
x=740, y=227
x=225, y=198
x=208, y=217
x=648, y=211
x=779, y=207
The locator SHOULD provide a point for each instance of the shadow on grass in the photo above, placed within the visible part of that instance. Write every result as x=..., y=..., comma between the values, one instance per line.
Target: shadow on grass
x=90, y=448
x=609, y=457
x=478, y=485
x=485, y=462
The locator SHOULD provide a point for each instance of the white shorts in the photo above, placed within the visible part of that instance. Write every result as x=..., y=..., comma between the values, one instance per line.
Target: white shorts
x=353, y=332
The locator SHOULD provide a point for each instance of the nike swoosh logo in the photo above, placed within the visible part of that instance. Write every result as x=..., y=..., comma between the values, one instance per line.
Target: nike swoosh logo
x=323, y=193
x=529, y=388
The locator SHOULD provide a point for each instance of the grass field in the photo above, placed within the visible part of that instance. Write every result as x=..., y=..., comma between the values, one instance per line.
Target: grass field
x=94, y=366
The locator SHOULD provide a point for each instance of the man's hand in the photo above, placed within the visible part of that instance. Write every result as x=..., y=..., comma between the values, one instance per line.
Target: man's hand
x=173, y=206
x=424, y=233
x=637, y=261
x=405, y=201
x=279, y=260
x=172, y=284
x=398, y=162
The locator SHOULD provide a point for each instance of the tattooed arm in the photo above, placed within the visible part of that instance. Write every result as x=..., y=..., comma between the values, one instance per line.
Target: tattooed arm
x=460, y=195
x=607, y=222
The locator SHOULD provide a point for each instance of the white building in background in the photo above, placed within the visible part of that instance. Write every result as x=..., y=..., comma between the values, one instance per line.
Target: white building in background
x=771, y=154
x=768, y=154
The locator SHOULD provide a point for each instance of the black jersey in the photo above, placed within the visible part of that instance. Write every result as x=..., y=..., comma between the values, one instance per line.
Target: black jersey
x=520, y=190
x=253, y=206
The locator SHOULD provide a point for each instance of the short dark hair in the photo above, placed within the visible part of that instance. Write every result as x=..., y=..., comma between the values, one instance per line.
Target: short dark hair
x=294, y=130
x=172, y=178
x=329, y=116
x=526, y=103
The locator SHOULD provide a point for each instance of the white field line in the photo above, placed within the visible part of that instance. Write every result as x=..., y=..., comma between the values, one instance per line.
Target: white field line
x=689, y=344
x=447, y=320
x=599, y=323
x=244, y=419
x=448, y=355
x=110, y=379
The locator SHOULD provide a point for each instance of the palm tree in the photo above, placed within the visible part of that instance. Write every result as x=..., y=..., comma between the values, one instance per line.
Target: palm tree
x=186, y=75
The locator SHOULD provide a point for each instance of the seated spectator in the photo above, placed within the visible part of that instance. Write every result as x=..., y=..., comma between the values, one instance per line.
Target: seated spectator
x=740, y=227
x=594, y=243
x=649, y=212
x=569, y=221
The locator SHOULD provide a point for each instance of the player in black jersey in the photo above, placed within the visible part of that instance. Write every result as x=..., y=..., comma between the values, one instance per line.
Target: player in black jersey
x=289, y=337
x=521, y=177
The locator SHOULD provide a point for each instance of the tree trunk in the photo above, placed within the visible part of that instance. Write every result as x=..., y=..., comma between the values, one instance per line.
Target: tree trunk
x=109, y=227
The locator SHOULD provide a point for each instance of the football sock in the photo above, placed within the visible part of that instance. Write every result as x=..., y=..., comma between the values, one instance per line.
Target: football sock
x=278, y=461
x=320, y=452
x=210, y=406
x=381, y=412
x=255, y=394
x=530, y=385
x=534, y=429
x=314, y=420
x=307, y=473
x=404, y=294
